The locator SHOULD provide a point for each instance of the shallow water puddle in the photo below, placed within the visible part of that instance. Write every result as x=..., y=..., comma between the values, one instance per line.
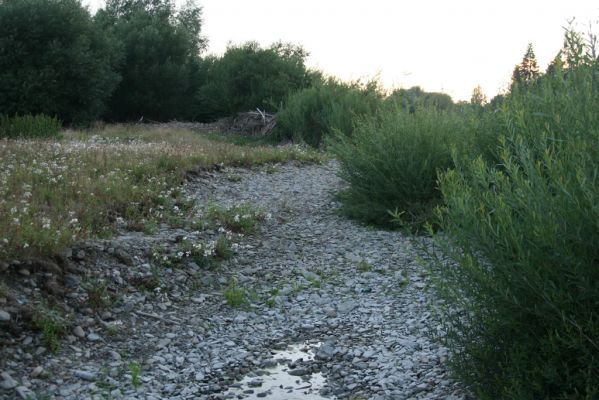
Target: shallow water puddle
x=281, y=381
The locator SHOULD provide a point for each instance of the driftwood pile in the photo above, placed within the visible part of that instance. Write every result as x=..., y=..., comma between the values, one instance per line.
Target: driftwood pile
x=253, y=123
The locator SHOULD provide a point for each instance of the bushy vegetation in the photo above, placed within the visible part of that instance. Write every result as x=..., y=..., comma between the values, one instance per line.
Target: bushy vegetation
x=54, y=60
x=311, y=114
x=391, y=163
x=524, y=239
x=415, y=98
x=29, y=126
x=247, y=77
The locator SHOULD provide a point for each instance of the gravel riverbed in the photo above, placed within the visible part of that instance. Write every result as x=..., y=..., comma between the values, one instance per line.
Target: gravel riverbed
x=342, y=310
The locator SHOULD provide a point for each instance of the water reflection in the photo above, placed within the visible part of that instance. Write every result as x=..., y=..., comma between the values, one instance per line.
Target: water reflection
x=281, y=381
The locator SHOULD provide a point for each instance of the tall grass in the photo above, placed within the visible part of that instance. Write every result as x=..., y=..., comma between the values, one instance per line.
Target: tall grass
x=391, y=163
x=311, y=114
x=29, y=126
x=523, y=291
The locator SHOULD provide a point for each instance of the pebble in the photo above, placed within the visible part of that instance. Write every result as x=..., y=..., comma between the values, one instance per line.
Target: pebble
x=4, y=316
x=78, y=331
x=7, y=381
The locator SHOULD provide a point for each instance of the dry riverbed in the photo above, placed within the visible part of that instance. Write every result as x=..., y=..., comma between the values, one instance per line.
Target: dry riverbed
x=309, y=306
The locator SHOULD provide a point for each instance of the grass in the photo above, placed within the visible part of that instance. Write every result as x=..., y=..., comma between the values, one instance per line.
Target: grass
x=241, y=218
x=51, y=323
x=98, y=297
x=235, y=296
x=29, y=126
x=135, y=371
x=53, y=193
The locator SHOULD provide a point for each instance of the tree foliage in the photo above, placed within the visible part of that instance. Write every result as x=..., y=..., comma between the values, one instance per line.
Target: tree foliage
x=54, y=60
x=527, y=71
x=161, y=58
x=248, y=76
x=415, y=98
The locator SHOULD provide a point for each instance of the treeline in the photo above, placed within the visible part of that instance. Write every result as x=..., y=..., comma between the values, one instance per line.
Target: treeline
x=133, y=59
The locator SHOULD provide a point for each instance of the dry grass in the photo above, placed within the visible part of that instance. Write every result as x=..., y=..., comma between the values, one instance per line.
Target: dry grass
x=53, y=193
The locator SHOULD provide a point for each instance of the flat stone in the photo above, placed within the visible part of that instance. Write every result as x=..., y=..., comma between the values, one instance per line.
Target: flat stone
x=4, y=316
x=7, y=381
x=85, y=375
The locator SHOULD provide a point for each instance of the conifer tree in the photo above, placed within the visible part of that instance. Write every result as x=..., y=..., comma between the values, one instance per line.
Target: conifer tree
x=527, y=71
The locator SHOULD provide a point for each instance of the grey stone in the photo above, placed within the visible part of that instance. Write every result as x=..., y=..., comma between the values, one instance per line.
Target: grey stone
x=4, y=316
x=79, y=332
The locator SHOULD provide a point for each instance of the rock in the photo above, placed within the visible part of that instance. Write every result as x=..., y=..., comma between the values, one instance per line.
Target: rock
x=78, y=331
x=37, y=371
x=299, y=372
x=325, y=352
x=7, y=381
x=85, y=375
x=93, y=337
x=123, y=257
x=4, y=316
x=23, y=392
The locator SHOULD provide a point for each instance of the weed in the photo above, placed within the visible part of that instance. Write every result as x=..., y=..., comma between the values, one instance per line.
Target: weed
x=239, y=219
x=29, y=126
x=51, y=323
x=364, y=266
x=223, y=249
x=98, y=297
x=233, y=177
x=135, y=371
x=235, y=296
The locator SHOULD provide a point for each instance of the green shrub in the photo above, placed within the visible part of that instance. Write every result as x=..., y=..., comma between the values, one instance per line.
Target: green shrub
x=54, y=60
x=313, y=113
x=523, y=320
x=391, y=164
x=29, y=126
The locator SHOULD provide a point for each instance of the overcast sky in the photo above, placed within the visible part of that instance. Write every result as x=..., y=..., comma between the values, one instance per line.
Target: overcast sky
x=440, y=45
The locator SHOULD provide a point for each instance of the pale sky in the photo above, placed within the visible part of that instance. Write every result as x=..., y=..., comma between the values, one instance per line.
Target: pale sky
x=441, y=45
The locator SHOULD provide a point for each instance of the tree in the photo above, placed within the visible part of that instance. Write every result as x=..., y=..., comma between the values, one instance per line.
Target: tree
x=415, y=98
x=54, y=60
x=161, y=58
x=478, y=97
x=527, y=71
x=248, y=76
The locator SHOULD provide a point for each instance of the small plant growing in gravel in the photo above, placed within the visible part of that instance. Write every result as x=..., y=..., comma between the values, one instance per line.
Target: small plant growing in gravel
x=233, y=177
x=364, y=266
x=239, y=219
x=235, y=296
x=135, y=371
x=52, y=325
x=98, y=297
x=223, y=249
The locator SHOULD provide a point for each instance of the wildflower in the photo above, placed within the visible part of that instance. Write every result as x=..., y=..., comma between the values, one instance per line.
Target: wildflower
x=236, y=218
x=73, y=221
x=45, y=223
